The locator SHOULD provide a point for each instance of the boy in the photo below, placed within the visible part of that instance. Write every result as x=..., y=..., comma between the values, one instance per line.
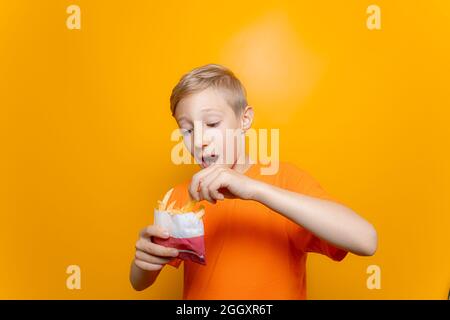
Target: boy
x=258, y=228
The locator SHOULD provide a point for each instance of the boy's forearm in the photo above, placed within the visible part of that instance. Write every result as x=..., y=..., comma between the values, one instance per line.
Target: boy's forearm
x=328, y=220
x=141, y=279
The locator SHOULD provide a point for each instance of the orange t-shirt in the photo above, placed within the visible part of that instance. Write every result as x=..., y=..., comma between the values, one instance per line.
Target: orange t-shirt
x=253, y=252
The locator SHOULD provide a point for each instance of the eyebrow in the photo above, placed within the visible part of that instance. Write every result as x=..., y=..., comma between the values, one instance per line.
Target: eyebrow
x=205, y=109
x=209, y=109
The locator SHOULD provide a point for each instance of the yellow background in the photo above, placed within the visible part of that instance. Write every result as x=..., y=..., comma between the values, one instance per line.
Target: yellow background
x=85, y=127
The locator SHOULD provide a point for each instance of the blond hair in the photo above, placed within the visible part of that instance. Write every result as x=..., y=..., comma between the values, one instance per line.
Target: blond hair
x=210, y=75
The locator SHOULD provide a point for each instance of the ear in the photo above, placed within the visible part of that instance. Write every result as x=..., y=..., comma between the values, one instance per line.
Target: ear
x=247, y=118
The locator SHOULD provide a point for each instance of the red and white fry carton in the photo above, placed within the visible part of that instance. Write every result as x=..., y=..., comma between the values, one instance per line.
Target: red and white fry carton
x=186, y=230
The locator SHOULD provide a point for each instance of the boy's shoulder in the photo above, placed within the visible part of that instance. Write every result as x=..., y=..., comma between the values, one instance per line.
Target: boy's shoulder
x=293, y=178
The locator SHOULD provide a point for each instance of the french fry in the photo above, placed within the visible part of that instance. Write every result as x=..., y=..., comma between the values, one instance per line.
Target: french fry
x=199, y=214
x=171, y=205
x=189, y=206
x=166, y=198
x=175, y=211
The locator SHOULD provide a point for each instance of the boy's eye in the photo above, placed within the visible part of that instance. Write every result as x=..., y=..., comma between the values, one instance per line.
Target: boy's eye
x=212, y=125
x=186, y=131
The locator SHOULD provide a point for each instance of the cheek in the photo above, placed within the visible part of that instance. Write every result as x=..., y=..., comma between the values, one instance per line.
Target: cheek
x=215, y=136
x=230, y=146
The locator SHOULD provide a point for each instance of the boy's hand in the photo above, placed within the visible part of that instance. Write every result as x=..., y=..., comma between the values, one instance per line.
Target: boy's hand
x=151, y=256
x=218, y=182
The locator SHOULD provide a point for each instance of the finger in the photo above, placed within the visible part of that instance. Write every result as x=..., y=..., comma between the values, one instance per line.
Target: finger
x=147, y=266
x=216, y=185
x=141, y=255
x=216, y=194
x=208, y=175
x=226, y=193
x=206, y=180
x=206, y=189
x=194, y=188
x=154, y=230
x=155, y=249
x=204, y=193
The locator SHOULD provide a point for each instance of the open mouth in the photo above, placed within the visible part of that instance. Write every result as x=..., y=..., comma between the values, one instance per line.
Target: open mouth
x=209, y=160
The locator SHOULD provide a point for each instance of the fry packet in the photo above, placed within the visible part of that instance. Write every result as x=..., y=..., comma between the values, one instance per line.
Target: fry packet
x=185, y=226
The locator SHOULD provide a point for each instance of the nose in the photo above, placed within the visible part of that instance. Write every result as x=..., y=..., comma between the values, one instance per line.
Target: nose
x=201, y=140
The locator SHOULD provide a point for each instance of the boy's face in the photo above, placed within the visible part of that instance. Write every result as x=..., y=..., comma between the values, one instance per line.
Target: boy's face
x=205, y=118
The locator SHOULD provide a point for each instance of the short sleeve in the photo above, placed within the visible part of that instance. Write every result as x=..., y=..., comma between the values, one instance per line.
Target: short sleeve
x=317, y=245
x=302, y=182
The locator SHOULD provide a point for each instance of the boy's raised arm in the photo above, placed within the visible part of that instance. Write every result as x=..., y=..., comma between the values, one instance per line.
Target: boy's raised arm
x=328, y=220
